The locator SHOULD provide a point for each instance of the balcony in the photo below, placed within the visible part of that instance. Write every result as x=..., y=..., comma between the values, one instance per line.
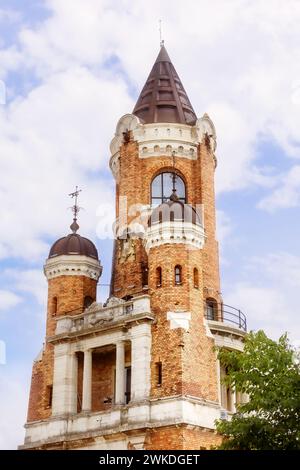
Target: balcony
x=225, y=314
x=116, y=312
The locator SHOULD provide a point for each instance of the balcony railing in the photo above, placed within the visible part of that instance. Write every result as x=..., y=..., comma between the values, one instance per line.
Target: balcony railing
x=226, y=314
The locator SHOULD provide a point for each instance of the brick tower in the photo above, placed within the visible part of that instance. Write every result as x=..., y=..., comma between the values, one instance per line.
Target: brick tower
x=141, y=370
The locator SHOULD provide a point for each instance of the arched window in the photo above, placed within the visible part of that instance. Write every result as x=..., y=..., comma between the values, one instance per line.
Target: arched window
x=178, y=275
x=88, y=301
x=54, y=306
x=162, y=185
x=211, y=309
x=196, y=278
x=158, y=277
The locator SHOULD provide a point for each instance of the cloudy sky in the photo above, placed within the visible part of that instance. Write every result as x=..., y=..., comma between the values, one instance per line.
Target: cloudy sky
x=71, y=69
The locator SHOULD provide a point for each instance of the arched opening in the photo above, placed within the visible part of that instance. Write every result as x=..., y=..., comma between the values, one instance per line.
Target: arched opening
x=88, y=301
x=158, y=277
x=211, y=309
x=178, y=275
x=54, y=306
x=162, y=185
x=144, y=275
x=196, y=278
x=158, y=374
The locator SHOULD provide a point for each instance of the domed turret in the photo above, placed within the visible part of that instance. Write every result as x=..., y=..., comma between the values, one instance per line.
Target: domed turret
x=73, y=244
x=77, y=258
x=174, y=211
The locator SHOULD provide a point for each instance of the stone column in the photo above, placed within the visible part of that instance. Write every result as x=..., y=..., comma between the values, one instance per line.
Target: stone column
x=140, y=361
x=87, y=381
x=64, y=380
x=120, y=373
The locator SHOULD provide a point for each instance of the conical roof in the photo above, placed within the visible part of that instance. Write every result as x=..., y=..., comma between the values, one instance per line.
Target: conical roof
x=163, y=98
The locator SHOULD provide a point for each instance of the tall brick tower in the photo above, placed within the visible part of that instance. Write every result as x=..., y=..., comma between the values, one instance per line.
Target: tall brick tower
x=141, y=370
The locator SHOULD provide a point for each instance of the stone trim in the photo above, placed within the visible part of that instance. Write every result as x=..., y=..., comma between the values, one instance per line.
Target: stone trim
x=150, y=414
x=179, y=320
x=174, y=232
x=162, y=139
x=97, y=319
x=72, y=265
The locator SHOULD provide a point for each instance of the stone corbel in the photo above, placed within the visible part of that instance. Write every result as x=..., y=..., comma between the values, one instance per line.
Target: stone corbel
x=205, y=129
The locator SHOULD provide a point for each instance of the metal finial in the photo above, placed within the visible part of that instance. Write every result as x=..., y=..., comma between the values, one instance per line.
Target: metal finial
x=174, y=196
x=75, y=209
x=161, y=41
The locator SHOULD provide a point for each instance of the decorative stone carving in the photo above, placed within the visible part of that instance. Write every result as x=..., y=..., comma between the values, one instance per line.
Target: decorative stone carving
x=94, y=307
x=161, y=139
x=128, y=122
x=72, y=265
x=126, y=249
x=104, y=317
x=113, y=301
x=205, y=129
x=174, y=232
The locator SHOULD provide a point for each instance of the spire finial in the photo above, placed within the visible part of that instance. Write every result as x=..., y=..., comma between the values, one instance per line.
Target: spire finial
x=174, y=196
x=161, y=41
x=75, y=209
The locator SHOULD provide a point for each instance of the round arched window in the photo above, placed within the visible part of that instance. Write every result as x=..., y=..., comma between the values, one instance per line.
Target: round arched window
x=162, y=185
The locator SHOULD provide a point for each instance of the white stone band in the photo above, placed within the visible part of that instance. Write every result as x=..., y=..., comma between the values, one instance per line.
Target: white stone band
x=162, y=139
x=72, y=265
x=174, y=232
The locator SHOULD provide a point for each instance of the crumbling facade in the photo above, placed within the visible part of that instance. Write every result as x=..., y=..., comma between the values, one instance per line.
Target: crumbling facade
x=141, y=371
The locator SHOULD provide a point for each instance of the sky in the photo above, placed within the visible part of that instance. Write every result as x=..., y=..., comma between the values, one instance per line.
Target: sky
x=68, y=71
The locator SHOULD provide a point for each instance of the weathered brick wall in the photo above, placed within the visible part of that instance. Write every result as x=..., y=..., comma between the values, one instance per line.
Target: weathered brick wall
x=188, y=360
x=181, y=437
x=187, y=357
x=211, y=275
x=70, y=292
x=136, y=175
x=42, y=376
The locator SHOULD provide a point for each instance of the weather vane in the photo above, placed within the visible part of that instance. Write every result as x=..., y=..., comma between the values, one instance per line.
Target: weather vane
x=161, y=41
x=75, y=209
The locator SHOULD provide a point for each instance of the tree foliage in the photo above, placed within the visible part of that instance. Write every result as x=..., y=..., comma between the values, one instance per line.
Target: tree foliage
x=268, y=372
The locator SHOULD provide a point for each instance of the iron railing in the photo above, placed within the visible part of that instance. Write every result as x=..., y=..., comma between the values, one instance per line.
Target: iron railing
x=226, y=314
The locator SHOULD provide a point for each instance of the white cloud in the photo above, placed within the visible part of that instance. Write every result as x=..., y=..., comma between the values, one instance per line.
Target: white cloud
x=267, y=295
x=9, y=15
x=241, y=67
x=239, y=62
x=31, y=281
x=52, y=140
x=8, y=300
x=286, y=194
x=224, y=227
x=14, y=389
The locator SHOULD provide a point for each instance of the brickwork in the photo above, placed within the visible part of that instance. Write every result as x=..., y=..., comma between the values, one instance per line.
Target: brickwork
x=183, y=360
x=70, y=292
x=187, y=357
x=181, y=437
x=188, y=360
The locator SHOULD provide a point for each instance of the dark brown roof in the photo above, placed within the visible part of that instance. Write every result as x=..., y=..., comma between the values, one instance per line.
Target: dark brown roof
x=174, y=211
x=74, y=244
x=163, y=98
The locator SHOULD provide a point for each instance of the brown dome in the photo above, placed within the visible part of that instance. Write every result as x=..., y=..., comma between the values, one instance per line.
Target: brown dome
x=74, y=244
x=174, y=211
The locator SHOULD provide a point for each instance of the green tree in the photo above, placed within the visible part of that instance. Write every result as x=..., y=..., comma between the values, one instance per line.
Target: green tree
x=268, y=372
